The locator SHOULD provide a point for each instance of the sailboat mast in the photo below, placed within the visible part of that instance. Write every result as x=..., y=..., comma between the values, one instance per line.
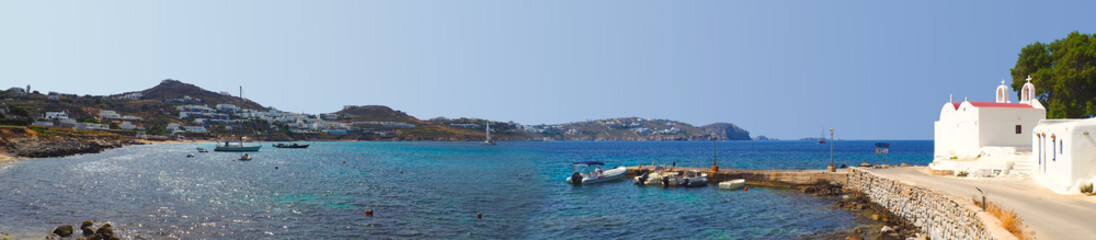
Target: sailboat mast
x=240, y=132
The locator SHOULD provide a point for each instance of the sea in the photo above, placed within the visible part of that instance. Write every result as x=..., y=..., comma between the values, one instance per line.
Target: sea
x=428, y=190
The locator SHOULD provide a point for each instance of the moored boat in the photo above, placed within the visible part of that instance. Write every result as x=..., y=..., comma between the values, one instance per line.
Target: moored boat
x=245, y=157
x=732, y=184
x=294, y=145
x=653, y=177
x=694, y=178
x=228, y=147
x=597, y=175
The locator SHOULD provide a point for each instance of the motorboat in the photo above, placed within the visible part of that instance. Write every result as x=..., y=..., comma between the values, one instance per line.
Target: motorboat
x=245, y=157
x=690, y=178
x=694, y=178
x=188, y=155
x=294, y=145
x=202, y=150
x=589, y=172
x=653, y=177
x=732, y=184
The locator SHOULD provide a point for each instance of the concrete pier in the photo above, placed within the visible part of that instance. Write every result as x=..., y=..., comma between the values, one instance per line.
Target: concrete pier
x=765, y=177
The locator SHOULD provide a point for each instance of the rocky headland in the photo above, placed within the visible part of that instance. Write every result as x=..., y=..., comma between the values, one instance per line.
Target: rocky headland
x=24, y=142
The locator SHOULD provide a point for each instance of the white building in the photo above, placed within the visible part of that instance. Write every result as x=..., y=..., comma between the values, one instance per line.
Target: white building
x=132, y=96
x=988, y=138
x=127, y=125
x=108, y=114
x=970, y=129
x=196, y=129
x=1065, y=153
x=91, y=126
x=57, y=115
x=224, y=107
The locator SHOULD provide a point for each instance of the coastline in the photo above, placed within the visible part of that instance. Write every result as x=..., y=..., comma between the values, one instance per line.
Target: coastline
x=5, y=157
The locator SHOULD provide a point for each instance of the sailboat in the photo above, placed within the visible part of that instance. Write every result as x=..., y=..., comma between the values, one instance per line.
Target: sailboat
x=488, y=131
x=822, y=139
x=238, y=147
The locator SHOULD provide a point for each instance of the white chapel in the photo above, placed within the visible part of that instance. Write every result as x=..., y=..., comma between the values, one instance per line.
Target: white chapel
x=998, y=131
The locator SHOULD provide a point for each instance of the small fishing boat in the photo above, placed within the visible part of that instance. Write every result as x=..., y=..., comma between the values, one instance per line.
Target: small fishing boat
x=581, y=173
x=188, y=155
x=822, y=139
x=732, y=184
x=294, y=145
x=245, y=157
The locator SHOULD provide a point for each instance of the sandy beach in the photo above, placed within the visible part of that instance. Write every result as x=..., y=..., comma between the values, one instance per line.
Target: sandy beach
x=5, y=157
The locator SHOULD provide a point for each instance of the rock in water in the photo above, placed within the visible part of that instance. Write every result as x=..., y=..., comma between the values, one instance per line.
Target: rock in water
x=886, y=229
x=63, y=230
x=105, y=231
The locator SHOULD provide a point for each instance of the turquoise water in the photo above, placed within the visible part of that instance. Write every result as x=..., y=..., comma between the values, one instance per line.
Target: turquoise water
x=156, y=192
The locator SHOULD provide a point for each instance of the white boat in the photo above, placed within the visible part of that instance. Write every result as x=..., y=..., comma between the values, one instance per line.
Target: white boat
x=654, y=177
x=597, y=175
x=245, y=157
x=691, y=178
x=732, y=184
x=694, y=179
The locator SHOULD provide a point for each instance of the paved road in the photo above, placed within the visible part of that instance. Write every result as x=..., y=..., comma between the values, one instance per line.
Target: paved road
x=1049, y=215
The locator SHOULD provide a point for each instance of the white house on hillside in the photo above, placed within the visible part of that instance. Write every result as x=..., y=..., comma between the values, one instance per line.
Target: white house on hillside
x=970, y=129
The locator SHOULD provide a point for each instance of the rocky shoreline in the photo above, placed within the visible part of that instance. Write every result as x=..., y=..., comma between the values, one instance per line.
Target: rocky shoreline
x=59, y=146
x=87, y=229
x=894, y=227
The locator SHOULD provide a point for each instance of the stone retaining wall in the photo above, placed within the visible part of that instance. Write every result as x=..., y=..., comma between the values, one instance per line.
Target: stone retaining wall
x=940, y=215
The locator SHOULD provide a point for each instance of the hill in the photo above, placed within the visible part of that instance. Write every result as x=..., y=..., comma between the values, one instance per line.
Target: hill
x=727, y=131
x=636, y=129
x=170, y=89
x=171, y=102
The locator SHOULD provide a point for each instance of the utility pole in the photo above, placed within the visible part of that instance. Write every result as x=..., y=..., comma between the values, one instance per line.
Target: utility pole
x=831, y=167
x=715, y=168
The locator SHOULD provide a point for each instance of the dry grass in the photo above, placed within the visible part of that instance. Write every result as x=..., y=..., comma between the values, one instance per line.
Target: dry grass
x=1008, y=218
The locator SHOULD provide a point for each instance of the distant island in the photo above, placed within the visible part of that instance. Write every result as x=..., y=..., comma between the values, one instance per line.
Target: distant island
x=174, y=110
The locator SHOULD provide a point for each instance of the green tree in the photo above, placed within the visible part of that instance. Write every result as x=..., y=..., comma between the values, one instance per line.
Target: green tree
x=1064, y=75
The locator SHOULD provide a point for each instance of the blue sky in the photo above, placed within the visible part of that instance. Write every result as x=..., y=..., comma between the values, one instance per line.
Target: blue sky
x=785, y=69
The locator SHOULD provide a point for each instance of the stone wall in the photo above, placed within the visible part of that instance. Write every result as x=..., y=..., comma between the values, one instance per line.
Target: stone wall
x=940, y=215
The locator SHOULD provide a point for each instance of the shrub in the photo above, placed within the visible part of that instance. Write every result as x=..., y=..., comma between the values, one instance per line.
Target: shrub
x=1087, y=188
x=962, y=174
x=1008, y=218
